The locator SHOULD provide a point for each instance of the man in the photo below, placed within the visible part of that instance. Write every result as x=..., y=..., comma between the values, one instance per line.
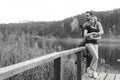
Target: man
x=86, y=54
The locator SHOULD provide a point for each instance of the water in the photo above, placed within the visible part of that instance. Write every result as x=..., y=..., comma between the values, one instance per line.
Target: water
x=109, y=57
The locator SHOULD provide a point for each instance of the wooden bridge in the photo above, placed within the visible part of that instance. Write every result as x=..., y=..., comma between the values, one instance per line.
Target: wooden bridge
x=102, y=76
x=12, y=70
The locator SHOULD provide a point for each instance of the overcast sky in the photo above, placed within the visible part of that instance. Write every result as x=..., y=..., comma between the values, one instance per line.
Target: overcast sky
x=49, y=10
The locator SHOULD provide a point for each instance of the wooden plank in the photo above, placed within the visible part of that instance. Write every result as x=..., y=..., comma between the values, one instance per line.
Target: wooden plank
x=86, y=77
x=110, y=77
x=57, y=69
x=117, y=77
x=71, y=51
x=9, y=71
x=102, y=76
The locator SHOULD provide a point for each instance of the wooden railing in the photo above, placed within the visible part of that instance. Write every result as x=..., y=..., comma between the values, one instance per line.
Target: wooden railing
x=12, y=70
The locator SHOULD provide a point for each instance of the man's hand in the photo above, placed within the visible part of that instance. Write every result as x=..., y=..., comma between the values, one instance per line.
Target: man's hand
x=90, y=37
x=93, y=35
x=96, y=35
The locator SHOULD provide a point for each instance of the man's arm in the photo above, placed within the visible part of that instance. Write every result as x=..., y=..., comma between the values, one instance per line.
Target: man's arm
x=100, y=28
x=98, y=34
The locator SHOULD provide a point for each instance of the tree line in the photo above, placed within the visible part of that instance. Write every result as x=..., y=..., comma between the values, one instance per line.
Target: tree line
x=62, y=28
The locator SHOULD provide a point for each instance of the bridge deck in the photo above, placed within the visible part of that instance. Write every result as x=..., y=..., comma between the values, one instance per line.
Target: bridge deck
x=103, y=76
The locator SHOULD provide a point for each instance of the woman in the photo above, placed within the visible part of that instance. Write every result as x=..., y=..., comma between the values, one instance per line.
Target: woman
x=92, y=32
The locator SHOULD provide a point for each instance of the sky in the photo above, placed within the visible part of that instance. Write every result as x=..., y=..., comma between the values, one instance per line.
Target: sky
x=12, y=11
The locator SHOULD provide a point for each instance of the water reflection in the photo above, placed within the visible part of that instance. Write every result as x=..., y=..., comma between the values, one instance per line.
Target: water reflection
x=109, y=57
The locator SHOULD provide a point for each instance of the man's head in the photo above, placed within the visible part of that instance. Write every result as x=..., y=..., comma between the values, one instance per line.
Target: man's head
x=88, y=15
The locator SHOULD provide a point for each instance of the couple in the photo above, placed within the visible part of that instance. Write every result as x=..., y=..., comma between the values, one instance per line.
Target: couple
x=92, y=33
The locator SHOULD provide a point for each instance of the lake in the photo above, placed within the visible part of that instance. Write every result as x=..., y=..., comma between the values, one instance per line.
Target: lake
x=109, y=54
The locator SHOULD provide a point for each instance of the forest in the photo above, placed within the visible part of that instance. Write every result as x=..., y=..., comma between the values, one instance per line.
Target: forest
x=62, y=29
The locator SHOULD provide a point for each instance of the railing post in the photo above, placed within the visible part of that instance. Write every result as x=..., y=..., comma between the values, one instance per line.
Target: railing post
x=57, y=69
x=79, y=77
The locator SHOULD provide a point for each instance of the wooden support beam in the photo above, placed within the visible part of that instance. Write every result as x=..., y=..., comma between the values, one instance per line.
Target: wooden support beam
x=57, y=69
x=79, y=77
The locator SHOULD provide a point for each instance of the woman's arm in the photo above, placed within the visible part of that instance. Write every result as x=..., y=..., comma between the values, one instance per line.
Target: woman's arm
x=88, y=35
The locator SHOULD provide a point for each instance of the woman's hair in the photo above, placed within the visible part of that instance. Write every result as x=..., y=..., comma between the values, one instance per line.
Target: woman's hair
x=95, y=18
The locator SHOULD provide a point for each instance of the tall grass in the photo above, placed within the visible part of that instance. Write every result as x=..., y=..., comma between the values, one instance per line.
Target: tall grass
x=17, y=48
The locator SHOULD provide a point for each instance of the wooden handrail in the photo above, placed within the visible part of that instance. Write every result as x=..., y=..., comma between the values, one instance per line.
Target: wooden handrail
x=11, y=70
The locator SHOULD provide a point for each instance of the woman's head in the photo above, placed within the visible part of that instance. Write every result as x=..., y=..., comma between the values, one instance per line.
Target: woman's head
x=93, y=19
